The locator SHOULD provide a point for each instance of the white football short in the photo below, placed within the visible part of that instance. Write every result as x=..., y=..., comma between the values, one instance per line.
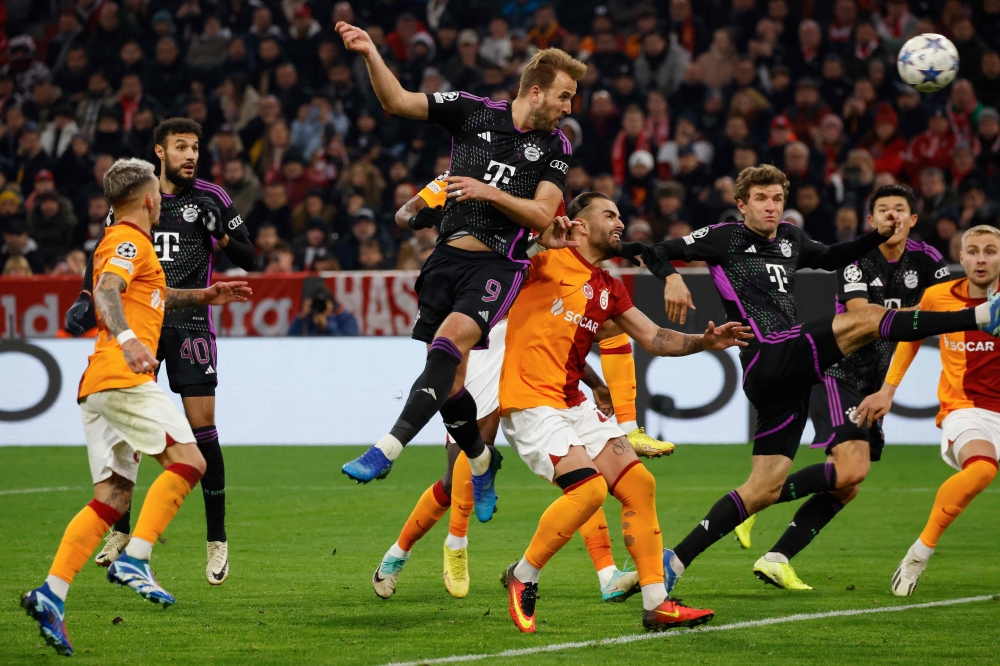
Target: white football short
x=964, y=425
x=120, y=424
x=540, y=433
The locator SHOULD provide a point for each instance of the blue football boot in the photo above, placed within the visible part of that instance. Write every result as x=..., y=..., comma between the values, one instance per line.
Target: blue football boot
x=369, y=466
x=484, y=494
x=135, y=573
x=47, y=610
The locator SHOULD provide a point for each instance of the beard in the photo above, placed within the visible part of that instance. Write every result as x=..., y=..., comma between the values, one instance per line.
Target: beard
x=541, y=121
x=176, y=177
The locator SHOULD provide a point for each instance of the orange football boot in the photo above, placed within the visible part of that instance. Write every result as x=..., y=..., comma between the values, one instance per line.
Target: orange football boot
x=672, y=614
x=521, y=598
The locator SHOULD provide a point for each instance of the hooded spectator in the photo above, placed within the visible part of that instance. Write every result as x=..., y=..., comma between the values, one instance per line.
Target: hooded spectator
x=886, y=145
x=640, y=182
x=22, y=66
x=51, y=222
x=16, y=241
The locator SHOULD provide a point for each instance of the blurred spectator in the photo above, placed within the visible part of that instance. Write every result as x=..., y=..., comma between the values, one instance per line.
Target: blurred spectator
x=38, y=107
x=58, y=135
x=370, y=256
x=912, y=114
x=685, y=136
x=17, y=267
x=44, y=182
x=692, y=35
x=807, y=58
x=988, y=142
x=16, y=241
x=74, y=263
x=51, y=222
x=640, y=182
x=22, y=65
x=99, y=94
x=718, y=61
x=945, y=228
x=933, y=197
x=886, y=145
x=834, y=87
x=987, y=85
x=638, y=230
x=963, y=165
x=846, y=225
x=281, y=258
x=168, y=75
x=545, y=31
x=496, y=47
x=239, y=102
x=895, y=24
x=93, y=186
x=267, y=240
x=363, y=228
x=970, y=47
x=808, y=110
x=963, y=110
x=415, y=250
x=817, y=216
x=314, y=250
x=87, y=234
x=31, y=158
x=668, y=209
x=831, y=143
x=933, y=147
x=976, y=207
x=241, y=184
x=323, y=316
x=109, y=138
x=631, y=138
x=74, y=168
x=296, y=178
x=208, y=49
x=693, y=175
x=273, y=207
x=70, y=37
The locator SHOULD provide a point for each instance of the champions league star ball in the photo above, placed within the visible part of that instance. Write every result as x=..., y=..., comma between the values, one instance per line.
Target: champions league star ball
x=928, y=62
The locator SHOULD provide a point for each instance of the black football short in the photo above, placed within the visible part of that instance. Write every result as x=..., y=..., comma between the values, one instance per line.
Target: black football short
x=190, y=360
x=482, y=285
x=832, y=408
x=778, y=379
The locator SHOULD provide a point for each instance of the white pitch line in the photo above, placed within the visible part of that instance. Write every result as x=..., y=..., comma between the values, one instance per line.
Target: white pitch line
x=633, y=638
x=23, y=491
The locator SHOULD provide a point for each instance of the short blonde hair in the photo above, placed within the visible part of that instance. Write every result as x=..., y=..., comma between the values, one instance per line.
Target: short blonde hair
x=125, y=177
x=541, y=70
x=759, y=176
x=978, y=230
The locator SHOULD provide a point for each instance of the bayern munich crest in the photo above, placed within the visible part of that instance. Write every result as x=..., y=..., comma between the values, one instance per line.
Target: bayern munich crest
x=786, y=248
x=532, y=153
x=910, y=279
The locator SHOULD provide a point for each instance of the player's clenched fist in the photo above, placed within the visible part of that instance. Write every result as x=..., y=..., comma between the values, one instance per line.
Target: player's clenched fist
x=140, y=360
x=355, y=39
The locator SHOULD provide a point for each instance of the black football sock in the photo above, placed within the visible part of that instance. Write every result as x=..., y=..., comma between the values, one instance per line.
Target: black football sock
x=459, y=414
x=123, y=524
x=808, y=521
x=213, y=483
x=912, y=325
x=430, y=390
x=808, y=481
x=722, y=519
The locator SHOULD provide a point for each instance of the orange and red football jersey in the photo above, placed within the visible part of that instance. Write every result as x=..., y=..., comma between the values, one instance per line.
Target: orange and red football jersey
x=551, y=329
x=969, y=359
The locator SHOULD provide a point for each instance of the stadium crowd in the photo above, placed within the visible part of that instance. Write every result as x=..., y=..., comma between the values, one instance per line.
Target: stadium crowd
x=677, y=98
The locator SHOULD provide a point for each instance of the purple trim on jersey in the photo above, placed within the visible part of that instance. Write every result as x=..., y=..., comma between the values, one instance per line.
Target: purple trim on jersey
x=462, y=391
x=929, y=250
x=738, y=501
x=833, y=402
x=168, y=196
x=447, y=346
x=727, y=292
x=214, y=189
x=828, y=471
x=750, y=365
x=215, y=354
x=815, y=356
x=783, y=336
x=500, y=106
x=774, y=430
x=208, y=283
x=839, y=308
x=206, y=435
x=883, y=328
x=823, y=445
x=515, y=288
x=513, y=244
x=567, y=146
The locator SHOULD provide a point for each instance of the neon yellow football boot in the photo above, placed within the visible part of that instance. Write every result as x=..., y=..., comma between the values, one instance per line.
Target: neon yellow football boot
x=648, y=447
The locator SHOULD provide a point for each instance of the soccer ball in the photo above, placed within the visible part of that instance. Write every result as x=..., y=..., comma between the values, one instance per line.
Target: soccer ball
x=928, y=62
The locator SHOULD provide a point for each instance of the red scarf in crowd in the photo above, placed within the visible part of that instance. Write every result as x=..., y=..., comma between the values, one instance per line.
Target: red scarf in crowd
x=619, y=160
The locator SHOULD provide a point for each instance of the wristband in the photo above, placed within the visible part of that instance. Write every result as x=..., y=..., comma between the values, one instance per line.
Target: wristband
x=125, y=336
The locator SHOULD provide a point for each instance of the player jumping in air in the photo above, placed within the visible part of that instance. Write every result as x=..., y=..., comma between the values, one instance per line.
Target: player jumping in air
x=125, y=413
x=753, y=264
x=454, y=489
x=969, y=392
x=894, y=275
x=196, y=215
x=560, y=434
x=508, y=172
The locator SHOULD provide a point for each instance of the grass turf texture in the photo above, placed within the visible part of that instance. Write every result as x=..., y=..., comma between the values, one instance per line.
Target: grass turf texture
x=304, y=542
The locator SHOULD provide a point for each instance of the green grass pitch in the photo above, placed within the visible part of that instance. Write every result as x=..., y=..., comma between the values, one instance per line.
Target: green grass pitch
x=304, y=542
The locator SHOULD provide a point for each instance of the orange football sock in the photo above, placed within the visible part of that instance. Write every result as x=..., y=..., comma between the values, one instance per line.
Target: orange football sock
x=164, y=499
x=461, y=497
x=431, y=507
x=564, y=517
x=81, y=537
x=635, y=488
x=598, y=541
x=619, y=373
x=955, y=494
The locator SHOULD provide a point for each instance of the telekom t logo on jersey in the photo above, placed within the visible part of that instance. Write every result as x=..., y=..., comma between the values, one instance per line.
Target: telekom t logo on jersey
x=502, y=175
x=776, y=273
x=166, y=243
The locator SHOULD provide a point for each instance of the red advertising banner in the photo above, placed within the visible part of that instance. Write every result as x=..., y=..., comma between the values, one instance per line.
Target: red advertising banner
x=384, y=302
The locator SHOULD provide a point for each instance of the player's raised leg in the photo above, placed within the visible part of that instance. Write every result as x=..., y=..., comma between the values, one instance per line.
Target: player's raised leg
x=976, y=453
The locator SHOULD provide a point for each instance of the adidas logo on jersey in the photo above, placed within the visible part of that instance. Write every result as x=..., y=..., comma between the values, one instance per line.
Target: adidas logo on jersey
x=430, y=392
x=456, y=424
x=877, y=282
x=704, y=524
x=210, y=371
x=485, y=136
x=752, y=248
x=485, y=314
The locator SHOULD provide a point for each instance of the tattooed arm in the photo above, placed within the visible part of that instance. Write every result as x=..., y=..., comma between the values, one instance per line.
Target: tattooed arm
x=108, y=301
x=219, y=293
x=665, y=342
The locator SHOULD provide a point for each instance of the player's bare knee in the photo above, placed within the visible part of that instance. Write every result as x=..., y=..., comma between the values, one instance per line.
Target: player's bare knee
x=847, y=494
x=853, y=473
x=116, y=492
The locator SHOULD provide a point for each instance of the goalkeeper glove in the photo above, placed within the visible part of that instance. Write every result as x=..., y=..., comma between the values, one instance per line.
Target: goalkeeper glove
x=425, y=218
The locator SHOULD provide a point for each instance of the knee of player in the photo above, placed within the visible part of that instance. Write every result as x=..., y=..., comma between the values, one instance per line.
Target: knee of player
x=982, y=471
x=640, y=484
x=594, y=491
x=585, y=484
x=847, y=494
x=872, y=313
x=852, y=474
x=191, y=455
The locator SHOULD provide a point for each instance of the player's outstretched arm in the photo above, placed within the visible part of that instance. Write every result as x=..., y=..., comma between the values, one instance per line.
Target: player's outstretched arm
x=390, y=93
x=416, y=214
x=677, y=298
x=219, y=293
x=832, y=257
x=108, y=301
x=536, y=214
x=665, y=342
